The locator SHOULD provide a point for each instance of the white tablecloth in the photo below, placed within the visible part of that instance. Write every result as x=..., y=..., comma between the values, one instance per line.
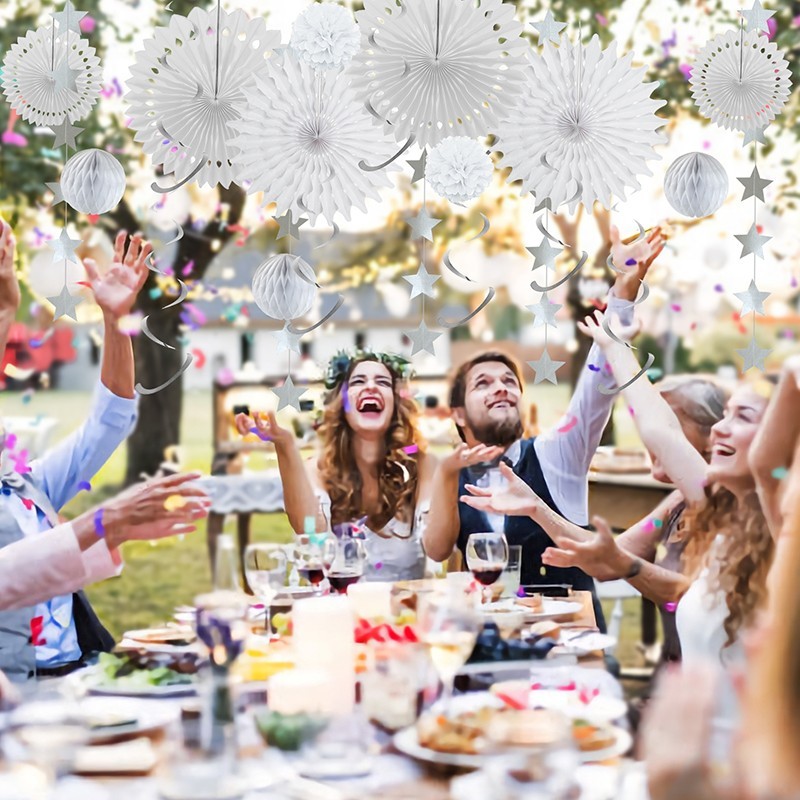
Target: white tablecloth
x=259, y=492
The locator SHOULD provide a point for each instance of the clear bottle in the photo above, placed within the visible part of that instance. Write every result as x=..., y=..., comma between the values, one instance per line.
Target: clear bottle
x=226, y=565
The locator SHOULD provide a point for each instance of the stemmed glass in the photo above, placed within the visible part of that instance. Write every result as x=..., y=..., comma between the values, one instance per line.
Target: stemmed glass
x=308, y=559
x=265, y=566
x=449, y=625
x=487, y=556
x=343, y=559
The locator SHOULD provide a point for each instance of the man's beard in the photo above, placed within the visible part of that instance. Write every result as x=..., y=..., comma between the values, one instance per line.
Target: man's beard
x=497, y=433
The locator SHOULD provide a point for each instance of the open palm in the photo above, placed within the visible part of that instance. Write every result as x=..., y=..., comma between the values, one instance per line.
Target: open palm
x=515, y=499
x=634, y=259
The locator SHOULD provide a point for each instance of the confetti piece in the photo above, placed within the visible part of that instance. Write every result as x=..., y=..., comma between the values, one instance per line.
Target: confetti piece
x=601, y=20
x=85, y=486
x=345, y=399
x=719, y=288
x=520, y=592
x=187, y=270
x=670, y=607
x=17, y=374
x=379, y=565
x=631, y=411
x=27, y=503
x=543, y=570
x=630, y=262
x=27, y=396
x=675, y=306
x=593, y=367
x=779, y=473
x=571, y=422
x=261, y=435
x=174, y=502
x=155, y=293
x=225, y=376
x=11, y=441
x=199, y=358
x=411, y=449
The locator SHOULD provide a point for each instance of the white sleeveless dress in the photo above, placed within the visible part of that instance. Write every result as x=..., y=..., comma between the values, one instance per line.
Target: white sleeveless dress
x=397, y=554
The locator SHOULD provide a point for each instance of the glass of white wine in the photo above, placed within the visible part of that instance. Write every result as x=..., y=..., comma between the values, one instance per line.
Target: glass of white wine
x=266, y=568
x=449, y=625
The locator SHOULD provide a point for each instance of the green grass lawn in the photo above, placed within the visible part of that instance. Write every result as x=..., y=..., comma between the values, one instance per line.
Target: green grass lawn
x=161, y=575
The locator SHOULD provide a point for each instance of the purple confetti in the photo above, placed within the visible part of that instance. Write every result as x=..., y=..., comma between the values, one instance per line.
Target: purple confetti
x=670, y=607
x=379, y=565
x=85, y=486
x=593, y=367
x=630, y=262
x=263, y=436
x=411, y=449
x=520, y=592
x=345, y=399
x=719, y=288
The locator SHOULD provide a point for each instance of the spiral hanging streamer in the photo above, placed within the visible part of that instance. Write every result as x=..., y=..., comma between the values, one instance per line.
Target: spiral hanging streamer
x=440, y=320
x=447, y=261
x=303, y=331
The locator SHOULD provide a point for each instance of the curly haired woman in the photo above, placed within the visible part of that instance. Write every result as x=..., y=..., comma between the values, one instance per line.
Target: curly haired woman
x=371, y=463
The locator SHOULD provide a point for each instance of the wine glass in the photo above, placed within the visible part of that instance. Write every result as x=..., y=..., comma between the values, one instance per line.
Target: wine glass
x=343, y=559
x=487, y=556
x=308, y=559
x=449, y=625
x=265, y=566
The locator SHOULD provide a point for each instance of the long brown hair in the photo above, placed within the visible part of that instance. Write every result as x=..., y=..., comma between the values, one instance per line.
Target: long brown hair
x=397, y=474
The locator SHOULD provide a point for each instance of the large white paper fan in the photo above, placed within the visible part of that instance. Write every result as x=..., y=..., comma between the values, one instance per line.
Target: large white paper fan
x=30, y=85
x=181, y=106
x=437, y=68
x=740, y=81
x=301, y=139
x=583, y=128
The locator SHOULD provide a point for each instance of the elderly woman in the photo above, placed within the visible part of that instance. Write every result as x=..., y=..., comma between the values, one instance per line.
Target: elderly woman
x=372, y=462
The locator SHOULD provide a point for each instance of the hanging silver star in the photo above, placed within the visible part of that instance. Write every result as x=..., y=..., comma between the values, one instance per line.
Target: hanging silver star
x=753, y=356
x=288, y=227
x=545, y=312
x=752, y=242
x=423, y=224
x=754, y=185
x=64, y=304
x=64, y=247
x=65, y=77
x=288, y=394
x=756, y=17
x=549, y=29
x=55, y=188
x=422, y=339
x=754, y=135
x=545, y=254
x=65, y=134
x=422, y=282
x=545, y=368
x=418, y=165
x=287, y=339
x=752, y=299
x=68, y=18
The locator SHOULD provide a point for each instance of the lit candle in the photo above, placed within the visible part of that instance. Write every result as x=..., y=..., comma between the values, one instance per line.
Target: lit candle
x=300, y=691
x=371, y=600
x=323, y=640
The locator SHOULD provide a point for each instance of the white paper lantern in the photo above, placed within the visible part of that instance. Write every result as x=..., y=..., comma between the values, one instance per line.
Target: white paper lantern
x=93, y=181
x=284, y=287
x=696, y=185
x=458, y=169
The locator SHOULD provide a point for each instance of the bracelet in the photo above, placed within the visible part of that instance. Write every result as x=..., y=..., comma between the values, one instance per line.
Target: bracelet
x=99, y=528
x=635, y=569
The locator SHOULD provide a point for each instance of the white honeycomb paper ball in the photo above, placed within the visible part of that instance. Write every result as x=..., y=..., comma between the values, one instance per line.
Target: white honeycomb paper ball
x=696, y=185
x=284, y=287
x=93, y=181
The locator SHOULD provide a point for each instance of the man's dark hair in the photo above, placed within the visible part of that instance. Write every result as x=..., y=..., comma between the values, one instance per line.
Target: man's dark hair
x=458, y=384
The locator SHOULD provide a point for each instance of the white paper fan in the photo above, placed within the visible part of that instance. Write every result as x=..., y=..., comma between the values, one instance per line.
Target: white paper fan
x=583, y=128
x=437, y=68
x=174, y=82
x=740, y=83
x=28, y=77
x=301, y=138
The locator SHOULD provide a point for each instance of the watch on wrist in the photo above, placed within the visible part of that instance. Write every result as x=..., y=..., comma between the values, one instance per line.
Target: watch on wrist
x=636, y=568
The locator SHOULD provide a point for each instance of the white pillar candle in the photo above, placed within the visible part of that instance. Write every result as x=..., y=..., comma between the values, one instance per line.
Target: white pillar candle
x=323, y=639
x=371, y=600
x=300, y=690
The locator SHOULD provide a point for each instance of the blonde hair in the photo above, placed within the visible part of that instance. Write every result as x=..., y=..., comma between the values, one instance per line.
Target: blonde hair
x=397, y=474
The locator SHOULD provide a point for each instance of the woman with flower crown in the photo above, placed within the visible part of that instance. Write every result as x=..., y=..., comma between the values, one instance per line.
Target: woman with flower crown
x=372, y=462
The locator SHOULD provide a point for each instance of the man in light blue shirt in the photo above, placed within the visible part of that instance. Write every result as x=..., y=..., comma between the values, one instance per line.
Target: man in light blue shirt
x=45, y=638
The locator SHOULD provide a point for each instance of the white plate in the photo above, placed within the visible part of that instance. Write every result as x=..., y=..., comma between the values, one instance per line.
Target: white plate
x=551, y=609
x=582, y=643
x=407, y=742
x=92, y=678
x=600, y=710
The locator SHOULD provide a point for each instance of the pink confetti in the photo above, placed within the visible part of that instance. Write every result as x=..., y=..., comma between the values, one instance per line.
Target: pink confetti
x=225, y=376
x=187, y=270
x=670, y=607
x=27, y=503
x=631, y=411
x=411, y=449
x=14, y=139
x=379, y=565
x=686, y=69
x=675, y=307
x=601, y=20
x=87, y=24
x=11, y=441
x=569, y=424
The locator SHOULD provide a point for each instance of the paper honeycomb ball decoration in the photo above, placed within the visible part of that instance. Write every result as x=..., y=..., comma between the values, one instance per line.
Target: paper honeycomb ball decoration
x=696, y=185
x=93, y=181
x=459, y=169
x=284, y=287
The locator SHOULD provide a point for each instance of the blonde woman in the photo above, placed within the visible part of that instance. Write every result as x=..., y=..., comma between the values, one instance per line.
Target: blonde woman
x=372, y=462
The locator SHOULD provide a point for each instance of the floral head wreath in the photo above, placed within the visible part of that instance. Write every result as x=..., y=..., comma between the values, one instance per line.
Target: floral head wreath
x=340, y=365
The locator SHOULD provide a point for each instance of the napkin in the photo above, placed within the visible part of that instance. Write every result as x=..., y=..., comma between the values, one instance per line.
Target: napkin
x=135, y=757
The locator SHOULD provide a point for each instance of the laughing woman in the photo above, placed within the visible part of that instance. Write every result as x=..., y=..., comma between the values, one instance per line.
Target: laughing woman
x=371, y=462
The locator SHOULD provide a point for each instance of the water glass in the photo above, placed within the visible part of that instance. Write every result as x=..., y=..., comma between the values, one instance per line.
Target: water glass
x=511, y=574
x=266, y=567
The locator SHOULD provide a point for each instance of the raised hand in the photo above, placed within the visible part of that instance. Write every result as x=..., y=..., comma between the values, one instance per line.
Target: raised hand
x=592, y=327
x=115, y=290
x=598, y=555
x=515, y=499
x=9, y=286
x=634, y=259
x=266, y=427
x=464, y=456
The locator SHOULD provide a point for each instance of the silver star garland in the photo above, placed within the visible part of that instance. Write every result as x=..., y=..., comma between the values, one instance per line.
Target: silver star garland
x=422, y=282
x=756, y=17
x=549, y=29
x=545, y=368
x=754, y=185
x=418, y=165
x=287, y=227
x=64, y=304
x=422, y=339
x=423, y=224
x=68, y=18
x=288, y=394
x=64, y=247
x=287, y=339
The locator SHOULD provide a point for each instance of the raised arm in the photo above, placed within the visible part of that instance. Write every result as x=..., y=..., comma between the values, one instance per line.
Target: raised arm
x=656, y=422
x=9, y=287
x=771, y=454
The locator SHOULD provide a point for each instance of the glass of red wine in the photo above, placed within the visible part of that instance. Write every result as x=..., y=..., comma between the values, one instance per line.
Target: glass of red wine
x=308, y=560
x=343, y=560
x=487, y=556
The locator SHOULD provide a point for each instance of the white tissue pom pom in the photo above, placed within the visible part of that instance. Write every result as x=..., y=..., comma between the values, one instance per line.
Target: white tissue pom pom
x=93, y=181
x=696, y=184
x=459, y=169
x=325, y=36
x=284, y=287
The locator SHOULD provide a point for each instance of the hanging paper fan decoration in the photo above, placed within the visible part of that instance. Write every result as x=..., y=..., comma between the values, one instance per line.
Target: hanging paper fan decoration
x=696, y=184
x=284, y=287
x=93, y=181
x=181, y=105
x=459, y=169
x=302, y=136
x=583, y=128
x=437, y=68
x=740, y=81
x=325, y=36
x=30, y=83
